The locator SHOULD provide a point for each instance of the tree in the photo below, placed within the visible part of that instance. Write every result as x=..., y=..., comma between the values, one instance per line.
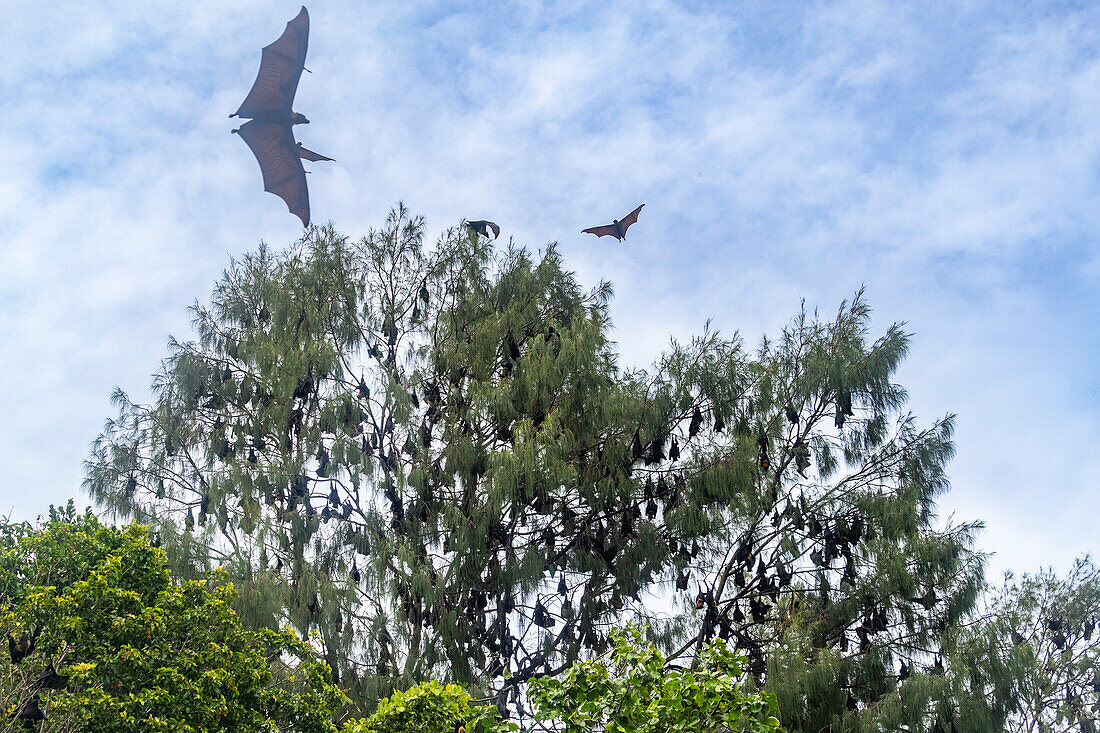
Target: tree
x=116, y=645
x=433, y=458
x=832, y=573
x=640, y=693
x=1037, y=642
x=399, y=446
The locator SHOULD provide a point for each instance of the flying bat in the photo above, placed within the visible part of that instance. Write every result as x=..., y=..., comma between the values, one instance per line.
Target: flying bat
x=618, y=229
x=269, y=132
x=482, y=227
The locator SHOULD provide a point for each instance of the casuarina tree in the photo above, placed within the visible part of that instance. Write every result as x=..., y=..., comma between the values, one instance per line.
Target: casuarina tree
x=433, y=457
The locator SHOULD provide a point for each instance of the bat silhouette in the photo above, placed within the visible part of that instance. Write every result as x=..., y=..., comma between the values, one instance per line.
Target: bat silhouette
x=21, y=648
x=50, y=679
x=617, y=229
x=269, y=133
x=30, y=713
x=482, y=227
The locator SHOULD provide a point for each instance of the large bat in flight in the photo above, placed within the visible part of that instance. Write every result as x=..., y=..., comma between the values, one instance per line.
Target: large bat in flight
x=483, y=227
x=618, y=229
x=269, y=134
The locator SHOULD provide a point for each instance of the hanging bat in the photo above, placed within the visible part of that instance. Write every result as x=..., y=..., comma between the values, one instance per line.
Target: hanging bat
x=696, y=421
x=30, y=713
x=50, y=679
x=482, y=227
x=269, y=133
x=674, y=451
x=19, y=649
x=541, y=617
x=618, y=228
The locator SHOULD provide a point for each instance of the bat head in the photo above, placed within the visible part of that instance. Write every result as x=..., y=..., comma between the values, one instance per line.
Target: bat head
x=297, y=118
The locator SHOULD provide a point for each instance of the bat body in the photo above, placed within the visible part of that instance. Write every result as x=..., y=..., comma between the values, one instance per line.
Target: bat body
x=50, y=679
x=616, y=229
x=19, y=649
x=482, y=227
x=30, y=713
x=269, y=132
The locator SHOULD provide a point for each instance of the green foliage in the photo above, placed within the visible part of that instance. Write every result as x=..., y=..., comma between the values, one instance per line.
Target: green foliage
x=430, y=708
x=830, y=571
x=432, y=458
x=1037, y=645
x=141, y=651
x=638, y=693
x=395, y=447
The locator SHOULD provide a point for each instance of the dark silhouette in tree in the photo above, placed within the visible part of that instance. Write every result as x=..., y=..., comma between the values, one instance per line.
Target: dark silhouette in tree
x=433, y=457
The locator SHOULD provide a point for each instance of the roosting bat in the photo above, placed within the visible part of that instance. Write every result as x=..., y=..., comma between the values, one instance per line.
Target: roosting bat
x=30, y=713
x=482, y=227
x=21, y=648
x=618, y=229
x=269, y=134
x=50, y=679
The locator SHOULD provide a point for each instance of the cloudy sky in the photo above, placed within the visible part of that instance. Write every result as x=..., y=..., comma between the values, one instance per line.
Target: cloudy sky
x=943, y=155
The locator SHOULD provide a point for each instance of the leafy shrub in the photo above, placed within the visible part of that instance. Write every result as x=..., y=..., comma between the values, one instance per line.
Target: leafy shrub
x=639, y=693
x=429, y=708
x=141, y=651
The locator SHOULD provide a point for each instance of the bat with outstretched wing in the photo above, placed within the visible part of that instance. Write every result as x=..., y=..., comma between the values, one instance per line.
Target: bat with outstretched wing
x=618, y=228
x=482, y=227
x=268, y=107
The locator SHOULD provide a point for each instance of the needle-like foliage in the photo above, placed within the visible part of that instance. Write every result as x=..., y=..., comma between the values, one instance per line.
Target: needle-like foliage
x=432, y=457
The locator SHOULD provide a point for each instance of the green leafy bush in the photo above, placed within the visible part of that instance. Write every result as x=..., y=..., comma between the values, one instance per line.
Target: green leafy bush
x=141, y=651
x=639, y=693
x=429, y=708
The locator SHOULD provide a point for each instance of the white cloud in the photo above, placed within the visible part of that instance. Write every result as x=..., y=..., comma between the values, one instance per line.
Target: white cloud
x=788, y=151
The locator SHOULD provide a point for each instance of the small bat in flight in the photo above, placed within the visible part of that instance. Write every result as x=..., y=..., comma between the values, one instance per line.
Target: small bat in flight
x=269, y=134
x=618, y=229
x=482, y=227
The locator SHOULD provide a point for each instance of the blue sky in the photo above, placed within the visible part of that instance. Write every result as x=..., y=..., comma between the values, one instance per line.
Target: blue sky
x=944, y=155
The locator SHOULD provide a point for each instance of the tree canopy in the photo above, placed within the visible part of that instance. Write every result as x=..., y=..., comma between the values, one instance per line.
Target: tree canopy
x=112, y=643
x=432, y=457
x=1032, y=657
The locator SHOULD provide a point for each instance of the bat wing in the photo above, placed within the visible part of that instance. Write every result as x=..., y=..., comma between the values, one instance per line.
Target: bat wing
x=276, y=152
x=631, y=218
x=482, y=227
x=607, y=230
x=307, y=154
x=281, y=65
